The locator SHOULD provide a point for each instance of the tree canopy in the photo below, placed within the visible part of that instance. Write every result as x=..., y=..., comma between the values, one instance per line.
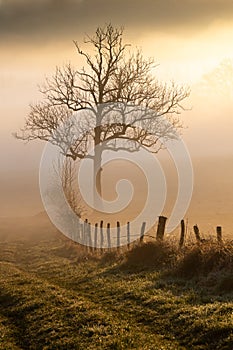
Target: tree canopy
x=112, y=75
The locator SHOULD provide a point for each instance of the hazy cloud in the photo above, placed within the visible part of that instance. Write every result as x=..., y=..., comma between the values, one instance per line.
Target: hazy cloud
x=45, y=19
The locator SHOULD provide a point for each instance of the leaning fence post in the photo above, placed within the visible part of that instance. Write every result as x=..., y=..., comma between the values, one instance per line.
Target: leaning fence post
x=182, y=233
x=108, y=235
x=142, y=232
x=197, y=233
x=219, y=233
x=161, y=228
x=128, y=234
x=118, y=234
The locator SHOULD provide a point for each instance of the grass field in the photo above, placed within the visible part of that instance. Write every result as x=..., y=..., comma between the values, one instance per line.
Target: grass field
x=53, y=295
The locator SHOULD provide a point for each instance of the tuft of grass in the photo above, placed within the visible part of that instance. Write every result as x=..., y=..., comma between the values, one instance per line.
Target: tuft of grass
x=188, y=264
x=204, y=259
x=151, y=255
x=110, y=257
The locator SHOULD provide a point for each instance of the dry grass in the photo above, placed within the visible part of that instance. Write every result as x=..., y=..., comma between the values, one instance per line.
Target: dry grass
x=210, y=261
x=205, y=258
x=151, y=255
x=56, y=295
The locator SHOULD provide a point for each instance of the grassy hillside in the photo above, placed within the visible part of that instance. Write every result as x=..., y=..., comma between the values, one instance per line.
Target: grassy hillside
x=54, y=295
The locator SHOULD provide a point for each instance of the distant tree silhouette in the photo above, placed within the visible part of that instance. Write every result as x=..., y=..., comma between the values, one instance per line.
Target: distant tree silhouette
x=219, y=81
x=112, y=74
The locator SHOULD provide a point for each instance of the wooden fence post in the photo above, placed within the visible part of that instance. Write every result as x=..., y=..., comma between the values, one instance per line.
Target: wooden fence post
x=81, y=233
x=101, y=234
x=182, y=233
x=142, y=232
x=128, y=234
x=108, y=235
x=197, y=233
x=161, y=228
x=219, y=234
x=118, y=235
x=89, y=237
x=77, y=233
x=86, y=233
x=95, y=236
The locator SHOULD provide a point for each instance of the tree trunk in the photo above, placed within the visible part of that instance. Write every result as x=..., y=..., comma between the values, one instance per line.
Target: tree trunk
x=97, y=188
x=97, y=170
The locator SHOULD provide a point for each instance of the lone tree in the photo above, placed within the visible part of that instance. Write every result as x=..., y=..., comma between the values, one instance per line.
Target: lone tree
x=112, y=74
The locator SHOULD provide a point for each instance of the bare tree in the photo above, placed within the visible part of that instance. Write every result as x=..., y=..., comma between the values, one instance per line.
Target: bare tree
x=112, y=75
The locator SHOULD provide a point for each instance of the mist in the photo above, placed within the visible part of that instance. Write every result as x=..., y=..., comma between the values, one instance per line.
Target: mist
x=186, y=47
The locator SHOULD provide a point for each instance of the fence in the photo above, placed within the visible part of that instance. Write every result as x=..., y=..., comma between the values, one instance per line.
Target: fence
x=98, y=236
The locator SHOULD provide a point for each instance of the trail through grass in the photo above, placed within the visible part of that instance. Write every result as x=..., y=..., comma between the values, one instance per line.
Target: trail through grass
x=51, y=297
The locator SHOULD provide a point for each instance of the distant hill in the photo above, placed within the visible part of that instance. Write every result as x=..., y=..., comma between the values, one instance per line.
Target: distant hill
x=37, y=227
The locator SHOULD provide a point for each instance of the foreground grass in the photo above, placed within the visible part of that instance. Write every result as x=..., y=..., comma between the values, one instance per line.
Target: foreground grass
x=53, y=296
